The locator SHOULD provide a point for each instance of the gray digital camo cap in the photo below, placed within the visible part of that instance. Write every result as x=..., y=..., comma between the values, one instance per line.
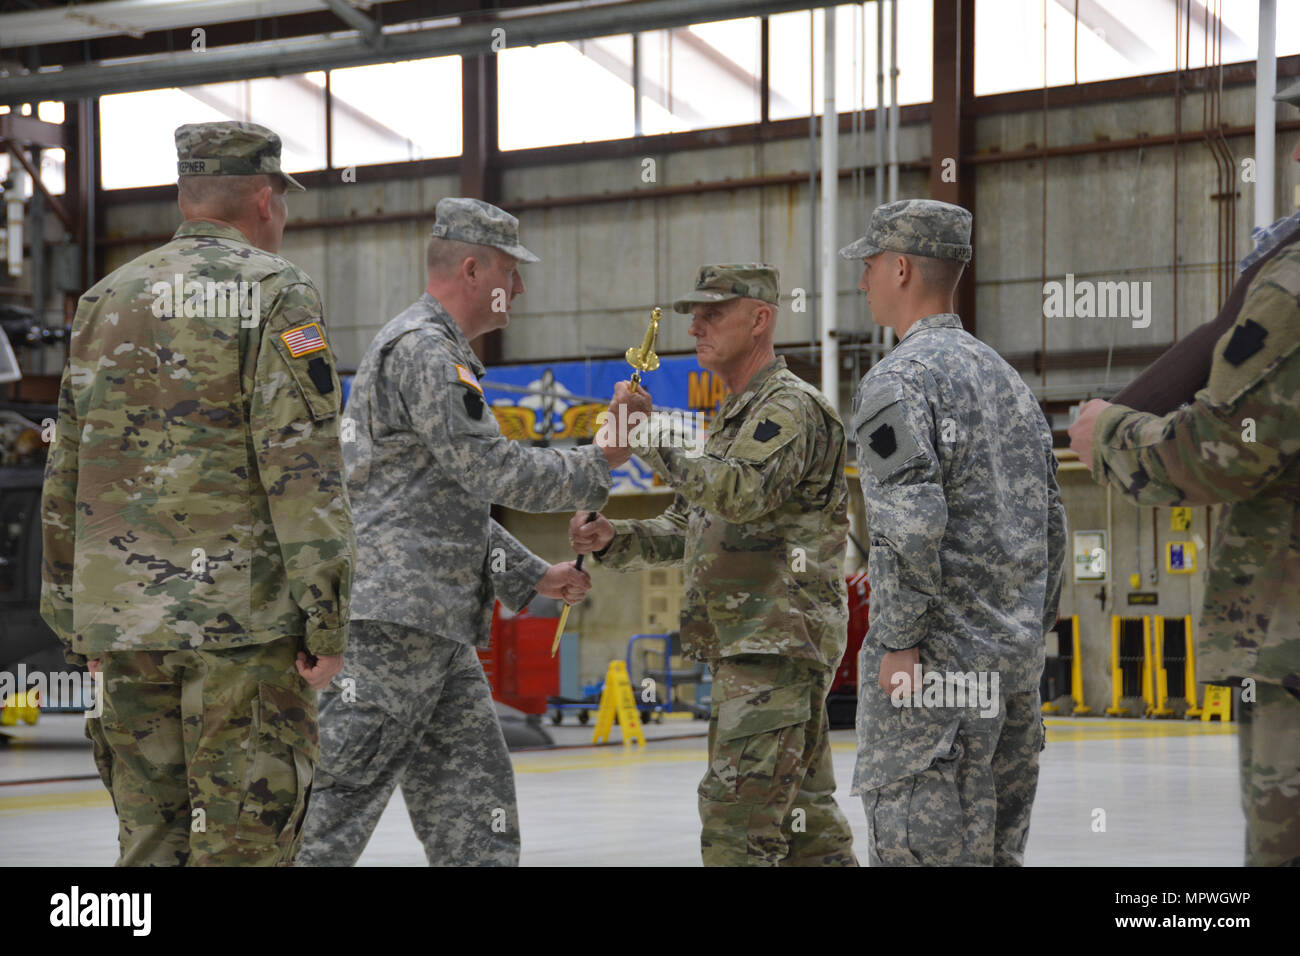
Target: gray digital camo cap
x=918, y=227
x=229, y=149
x=473, y=220
x=721, y=283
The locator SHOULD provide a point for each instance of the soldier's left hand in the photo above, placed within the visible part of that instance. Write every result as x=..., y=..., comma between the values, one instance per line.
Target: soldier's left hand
x=1081, y=430
x=897, y=668
x=319, y=671
x=565, y=581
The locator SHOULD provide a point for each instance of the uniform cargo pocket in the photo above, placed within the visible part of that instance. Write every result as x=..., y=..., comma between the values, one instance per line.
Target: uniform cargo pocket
x=282, y=751
x=759, y=742
x=103, y=754
x=909, y=783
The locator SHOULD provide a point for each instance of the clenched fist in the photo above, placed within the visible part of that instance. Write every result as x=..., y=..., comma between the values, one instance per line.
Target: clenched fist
x=590, y=536
x=565, y=581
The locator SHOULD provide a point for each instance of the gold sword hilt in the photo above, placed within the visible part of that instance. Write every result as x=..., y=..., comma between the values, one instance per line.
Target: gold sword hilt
x=644, y=359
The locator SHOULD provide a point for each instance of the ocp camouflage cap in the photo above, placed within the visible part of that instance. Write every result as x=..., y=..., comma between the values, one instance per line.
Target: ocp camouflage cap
x=918, y=227
x=473, y=220
x=721, y=283
x=229, y=148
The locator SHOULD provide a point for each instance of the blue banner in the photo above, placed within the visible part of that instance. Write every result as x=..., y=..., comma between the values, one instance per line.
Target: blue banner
x=560, y=401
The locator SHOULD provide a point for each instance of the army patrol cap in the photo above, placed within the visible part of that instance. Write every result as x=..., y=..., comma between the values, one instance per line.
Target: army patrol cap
x=1290, y=95
x=918, y=227
x=229, y=149
x=722, y=283
x=479, y=222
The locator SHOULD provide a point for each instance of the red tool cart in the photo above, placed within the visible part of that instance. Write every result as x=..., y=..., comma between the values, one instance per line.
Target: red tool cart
x=518, y=663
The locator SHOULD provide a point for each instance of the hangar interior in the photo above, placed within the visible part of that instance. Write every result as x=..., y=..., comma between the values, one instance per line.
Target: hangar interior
x=1128, y=145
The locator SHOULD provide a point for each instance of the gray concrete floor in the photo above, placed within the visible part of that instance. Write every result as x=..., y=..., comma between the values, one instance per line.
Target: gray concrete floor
x=1169, y=792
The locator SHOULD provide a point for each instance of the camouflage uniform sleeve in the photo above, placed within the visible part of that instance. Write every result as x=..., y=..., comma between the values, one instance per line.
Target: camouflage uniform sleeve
x=1056, y=543
x=59, y=522
x=294, y=421
x=520, y=569
x=649, y=543
x=907, y=512
x=763, y=466
x=458, y=427
x=1242, y=430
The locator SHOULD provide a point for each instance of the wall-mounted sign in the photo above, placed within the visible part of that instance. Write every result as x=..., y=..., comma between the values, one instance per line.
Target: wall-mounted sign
x=1143, y=597
x=1090, y=558
x=1180, y=557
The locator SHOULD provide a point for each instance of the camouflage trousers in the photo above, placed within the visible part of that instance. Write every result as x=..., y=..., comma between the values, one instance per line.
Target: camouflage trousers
x=208, y=755
x=439, y=740
x=1268, y=735
x=946, y=786
x=768, y=796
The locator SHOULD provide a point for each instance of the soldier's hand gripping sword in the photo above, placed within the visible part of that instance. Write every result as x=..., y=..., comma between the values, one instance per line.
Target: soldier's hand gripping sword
x=641, y=359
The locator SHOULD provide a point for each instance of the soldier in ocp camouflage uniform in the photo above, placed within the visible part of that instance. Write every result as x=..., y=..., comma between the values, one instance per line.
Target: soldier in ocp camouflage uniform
x=198, y=540
x=759, y=523
x=427, y=461
x=966, y=561
x=1238, y=445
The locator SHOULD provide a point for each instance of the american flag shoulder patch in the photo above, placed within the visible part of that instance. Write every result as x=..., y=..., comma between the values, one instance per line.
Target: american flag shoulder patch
x=468, y=378
x=304, y=339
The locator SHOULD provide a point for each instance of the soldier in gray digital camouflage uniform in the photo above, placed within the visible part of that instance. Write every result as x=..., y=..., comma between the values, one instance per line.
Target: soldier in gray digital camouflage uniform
x=1237, y=445
x=966, y=561
x=759, y=524
x=198, y=540
x=425, y=464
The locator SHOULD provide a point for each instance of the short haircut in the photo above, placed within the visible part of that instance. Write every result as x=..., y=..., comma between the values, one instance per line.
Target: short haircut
x=225, y=197
x=442, y=257
x=938, y=275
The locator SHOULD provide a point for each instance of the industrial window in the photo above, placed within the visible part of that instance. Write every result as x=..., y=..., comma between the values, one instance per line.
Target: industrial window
x=395, y=112
x=790, y=70
x=576, y=92
x=1113, y=39
x=53, y=161
x=701, y=76
x=137, y=144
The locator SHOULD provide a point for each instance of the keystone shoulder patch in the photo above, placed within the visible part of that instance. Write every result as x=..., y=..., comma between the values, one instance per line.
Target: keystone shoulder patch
x=883, y=441
x=766, y=430
x=1247, y=339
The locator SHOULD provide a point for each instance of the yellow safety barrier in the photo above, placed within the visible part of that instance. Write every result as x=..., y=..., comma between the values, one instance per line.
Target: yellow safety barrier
x=1076, y=673
x=1189, y=674
x=1117, y=671
x=1160, y=705
x=618, y=703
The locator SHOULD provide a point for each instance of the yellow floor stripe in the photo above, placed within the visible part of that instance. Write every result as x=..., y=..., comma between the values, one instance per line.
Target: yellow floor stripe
x=74, y=800
x=1058, y=731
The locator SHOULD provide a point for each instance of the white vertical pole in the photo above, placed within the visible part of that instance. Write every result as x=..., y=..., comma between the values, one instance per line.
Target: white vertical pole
x=1265, y=113
x=830, y=199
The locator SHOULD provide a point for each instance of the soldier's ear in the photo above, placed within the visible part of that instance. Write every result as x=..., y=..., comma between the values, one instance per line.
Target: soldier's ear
x=264, y=197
